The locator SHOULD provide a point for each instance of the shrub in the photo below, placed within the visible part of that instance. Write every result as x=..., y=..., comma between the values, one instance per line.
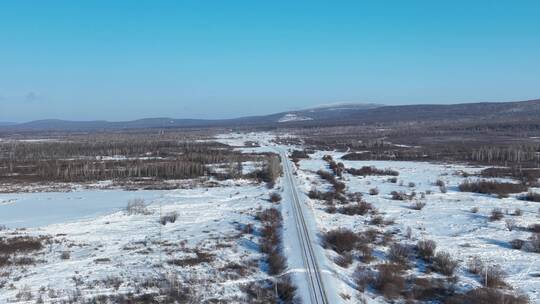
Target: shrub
x=517, y=243
x=475, y=265
x=429, y=290
x=402, y=196
x=275, y=197
x=533, y=245
x=363, y=277
x=276, y=263
x=286, y=290
x=136, y=206
x=377, y=220
x=518, y=212
x=340, y=240
x=418, y=205
x=496, y=214
x=360, y=208
x=271, y=216
x=299, y=154
x=443, y=189
x=534, y=228
x=366, y=252
x=493, y=277
x=373, y=191
x=491, y=187
x=344, y=260
x=510, y=224
x=531, y=197
x=486, y=296
x=16, y=244
x=426, y=249
x=388, y=281
x=399, y=253
x=331, y=209
x=65, y=255
x=168, y=218
x=366, y=170
x=444, y=263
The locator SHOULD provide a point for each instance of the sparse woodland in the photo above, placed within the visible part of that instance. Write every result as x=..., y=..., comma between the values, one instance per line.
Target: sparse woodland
x=120, y=159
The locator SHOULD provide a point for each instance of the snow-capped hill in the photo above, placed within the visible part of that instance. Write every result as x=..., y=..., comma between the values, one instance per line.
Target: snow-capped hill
x=293, y=117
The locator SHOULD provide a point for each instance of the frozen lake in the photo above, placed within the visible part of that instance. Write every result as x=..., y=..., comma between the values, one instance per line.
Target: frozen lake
x=19, y=210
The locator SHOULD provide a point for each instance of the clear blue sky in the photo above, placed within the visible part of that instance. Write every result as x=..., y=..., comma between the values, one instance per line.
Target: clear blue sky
x=120, y=60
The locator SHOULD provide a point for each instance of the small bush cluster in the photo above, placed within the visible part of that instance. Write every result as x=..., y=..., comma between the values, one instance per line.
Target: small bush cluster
x=370, y=170
x=373, y=191
x=136, y=206
x=399, y=253
x=402, y=196
x=426, y=249
x=531, y=197
x=487, y=296
x=329, y=177
x=337, y=168
x=340, y=240
x=299, y=154
x=19, y=244
x=168, y=218
x=389, y=280
x=525, y=176
x=491, y=187
x=418, y=205
x=444, y=263
x=360, y=208
x=275, y=197
x=271, y=240
x=496, y=214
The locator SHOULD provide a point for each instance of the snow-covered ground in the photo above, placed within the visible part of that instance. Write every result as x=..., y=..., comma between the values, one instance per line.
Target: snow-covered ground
x=130, y=249
x=111, y=252
x=446, y=219
x=18, y=210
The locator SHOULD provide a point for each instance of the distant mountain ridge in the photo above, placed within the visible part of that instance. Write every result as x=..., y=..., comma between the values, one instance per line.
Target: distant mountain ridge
x=318, y=116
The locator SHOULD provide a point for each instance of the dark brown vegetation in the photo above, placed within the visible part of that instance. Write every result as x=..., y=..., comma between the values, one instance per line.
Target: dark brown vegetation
x=11, y=246
x=200, y=257
x=402, y=196
x=487, y=296
x=389, y=280
x=275, y=197
x=329, y=177
x=18, y=244
x=444, y=263
x=270, y=243
x=360, y=208
x=491, y=187
x=426, y=249
x=525, y=176
x=370, y=170
x=117, y=157
x=399, y=253
x=531, y=197
x=299, y=154
x=168, y=218
x=496, y=214
x=340, y=240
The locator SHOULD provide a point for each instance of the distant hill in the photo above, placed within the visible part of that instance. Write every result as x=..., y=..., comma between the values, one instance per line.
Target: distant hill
x=320, y=116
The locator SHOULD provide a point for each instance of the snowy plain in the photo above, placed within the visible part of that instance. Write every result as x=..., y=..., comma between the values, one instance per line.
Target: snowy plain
x=105, y=244
x=446, y=219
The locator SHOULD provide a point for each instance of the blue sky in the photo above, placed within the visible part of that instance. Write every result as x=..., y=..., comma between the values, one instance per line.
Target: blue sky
x=121, y=60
